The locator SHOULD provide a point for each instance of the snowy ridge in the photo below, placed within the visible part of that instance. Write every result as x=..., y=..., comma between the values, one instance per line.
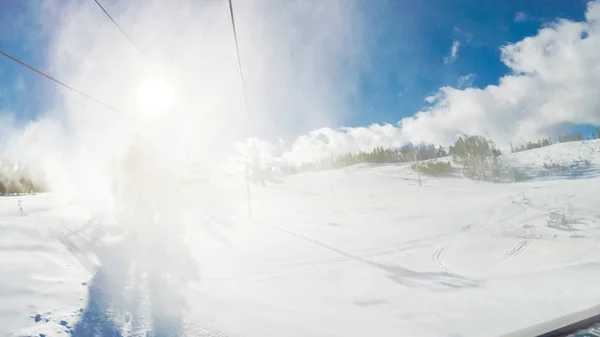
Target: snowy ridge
x=562, y=152
x=362, y=251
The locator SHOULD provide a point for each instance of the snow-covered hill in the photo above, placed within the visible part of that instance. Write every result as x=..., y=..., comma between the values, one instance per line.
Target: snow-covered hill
x=362, y=251
x=564, y=160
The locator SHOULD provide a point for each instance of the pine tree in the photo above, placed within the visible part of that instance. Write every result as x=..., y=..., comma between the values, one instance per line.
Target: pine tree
x=478, y=156
x=545, y=142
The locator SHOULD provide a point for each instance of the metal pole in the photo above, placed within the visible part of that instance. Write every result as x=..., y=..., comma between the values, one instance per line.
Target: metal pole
x=417, y=166
x=248, y=198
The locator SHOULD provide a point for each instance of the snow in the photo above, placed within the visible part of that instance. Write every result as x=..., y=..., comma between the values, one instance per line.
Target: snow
x=362, y=251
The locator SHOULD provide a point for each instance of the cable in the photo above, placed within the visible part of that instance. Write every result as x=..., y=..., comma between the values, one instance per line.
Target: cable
x=121, y=29
x=237, y=50
x=61, y=83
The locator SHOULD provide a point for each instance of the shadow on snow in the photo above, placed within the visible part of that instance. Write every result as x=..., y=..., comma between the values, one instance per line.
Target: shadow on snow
x=138, y=289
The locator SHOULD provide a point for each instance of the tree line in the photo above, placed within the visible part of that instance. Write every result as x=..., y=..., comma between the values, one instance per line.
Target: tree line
x=573, y=137
x=477, y=155
x=379, y=155
x=16, y=180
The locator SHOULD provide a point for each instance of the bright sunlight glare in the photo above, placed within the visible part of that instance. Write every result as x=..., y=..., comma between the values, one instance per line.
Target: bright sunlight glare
x=155, y=96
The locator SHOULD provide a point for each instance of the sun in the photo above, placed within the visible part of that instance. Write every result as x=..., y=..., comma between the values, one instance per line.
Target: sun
x=155, y=96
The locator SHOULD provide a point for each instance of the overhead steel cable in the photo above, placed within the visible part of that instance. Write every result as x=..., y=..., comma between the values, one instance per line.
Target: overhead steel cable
x=237, y=50
x=62, y=83
x=119, y=27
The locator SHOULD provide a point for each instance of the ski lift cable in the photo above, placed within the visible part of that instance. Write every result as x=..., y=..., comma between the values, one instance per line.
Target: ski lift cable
x=119, y=27
x=235, y=39
x=61, y=83
x=239, y=62
x=237, y=50
x=39, y=72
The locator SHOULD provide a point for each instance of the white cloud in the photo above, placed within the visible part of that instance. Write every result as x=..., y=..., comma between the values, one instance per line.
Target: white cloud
x=430, y=99
x=465, y=81
x=326, y=142
x=521, y=17
x=254, y=149
x=453, y=52
x=553, y=81
x=323, y=143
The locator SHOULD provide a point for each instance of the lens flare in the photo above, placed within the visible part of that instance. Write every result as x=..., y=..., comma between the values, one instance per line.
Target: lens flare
x=155, y=96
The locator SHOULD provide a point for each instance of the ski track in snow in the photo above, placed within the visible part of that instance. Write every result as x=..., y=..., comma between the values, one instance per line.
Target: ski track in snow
x=518, y=249
x=438, y=258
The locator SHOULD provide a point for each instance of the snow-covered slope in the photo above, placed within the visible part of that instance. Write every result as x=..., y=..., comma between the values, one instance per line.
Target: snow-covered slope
x=565, y=160
x=361, y=252
x=562, y=152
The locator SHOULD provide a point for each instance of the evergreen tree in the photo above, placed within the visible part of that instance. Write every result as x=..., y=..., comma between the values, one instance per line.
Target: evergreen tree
x=478, y=156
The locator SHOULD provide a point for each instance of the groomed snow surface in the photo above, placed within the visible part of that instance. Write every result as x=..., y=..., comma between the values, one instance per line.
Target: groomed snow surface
x=362, y=251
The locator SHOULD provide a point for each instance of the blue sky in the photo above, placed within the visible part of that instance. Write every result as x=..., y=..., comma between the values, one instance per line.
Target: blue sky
x=22, y=92
x=415, y=37
x=409, y=51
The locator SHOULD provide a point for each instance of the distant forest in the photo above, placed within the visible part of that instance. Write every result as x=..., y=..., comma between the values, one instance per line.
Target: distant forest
x=477, y=155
